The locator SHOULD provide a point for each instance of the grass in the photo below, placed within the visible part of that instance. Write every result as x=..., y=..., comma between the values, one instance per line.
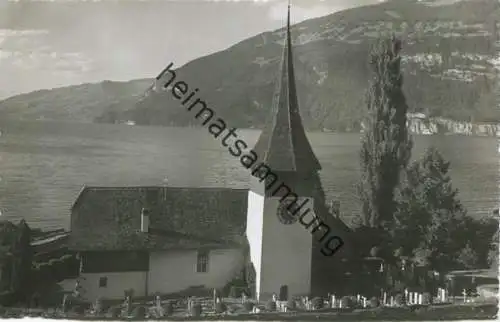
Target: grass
x=431, y=312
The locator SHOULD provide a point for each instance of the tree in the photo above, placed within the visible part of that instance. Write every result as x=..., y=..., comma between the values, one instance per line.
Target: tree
x=430, y=214
x=7, y=236
x=467, y=257
x=386, y=145
x=493, y=249
x=22, y=265
x=493, y=257
x=481, y=236
x=432, y=225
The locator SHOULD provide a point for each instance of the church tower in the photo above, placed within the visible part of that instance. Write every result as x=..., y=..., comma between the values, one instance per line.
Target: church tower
x=283, y=244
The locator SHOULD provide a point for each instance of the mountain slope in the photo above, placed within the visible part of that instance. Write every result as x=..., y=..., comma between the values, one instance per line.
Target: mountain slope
x=81, y=103
x=451, y=63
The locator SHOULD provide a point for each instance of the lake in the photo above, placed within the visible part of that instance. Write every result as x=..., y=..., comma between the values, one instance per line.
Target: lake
x=43, y=165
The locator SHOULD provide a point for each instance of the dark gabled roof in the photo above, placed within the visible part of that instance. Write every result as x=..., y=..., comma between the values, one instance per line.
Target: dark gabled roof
x=283, y=144
x=109, y=218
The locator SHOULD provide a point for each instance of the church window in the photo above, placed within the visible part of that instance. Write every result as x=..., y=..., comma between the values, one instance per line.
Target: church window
x=103, y=282
x=202, y=262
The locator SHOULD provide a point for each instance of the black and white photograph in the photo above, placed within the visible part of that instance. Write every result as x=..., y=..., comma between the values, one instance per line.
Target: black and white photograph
x=249, y=160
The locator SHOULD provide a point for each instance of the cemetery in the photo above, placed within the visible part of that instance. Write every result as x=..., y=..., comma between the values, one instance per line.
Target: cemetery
x=210, y=305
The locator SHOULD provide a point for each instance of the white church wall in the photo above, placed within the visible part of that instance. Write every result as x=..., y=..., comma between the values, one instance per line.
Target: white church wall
x=173, y=271
x=254, y=232
x=116, y=284
x=286, y=253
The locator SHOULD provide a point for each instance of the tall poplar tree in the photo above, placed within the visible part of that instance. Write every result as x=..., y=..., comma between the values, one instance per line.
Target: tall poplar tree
x=386, y=144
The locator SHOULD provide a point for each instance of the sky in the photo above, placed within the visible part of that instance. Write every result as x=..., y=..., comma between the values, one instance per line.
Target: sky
x=54, y=43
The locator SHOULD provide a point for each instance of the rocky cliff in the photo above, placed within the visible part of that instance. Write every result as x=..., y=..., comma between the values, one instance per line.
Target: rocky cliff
x=421, y=124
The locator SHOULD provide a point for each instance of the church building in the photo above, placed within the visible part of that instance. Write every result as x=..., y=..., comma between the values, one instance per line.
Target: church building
x=162, y=240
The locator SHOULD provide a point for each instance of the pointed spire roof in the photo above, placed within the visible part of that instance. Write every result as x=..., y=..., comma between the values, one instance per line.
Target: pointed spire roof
x=283, y=144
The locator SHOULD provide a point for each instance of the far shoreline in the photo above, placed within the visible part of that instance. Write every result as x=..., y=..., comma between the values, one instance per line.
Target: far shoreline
x=4, y=121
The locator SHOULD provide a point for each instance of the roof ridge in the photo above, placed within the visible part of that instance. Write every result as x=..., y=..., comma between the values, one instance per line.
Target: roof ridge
x=86, y=188
x=291, y=72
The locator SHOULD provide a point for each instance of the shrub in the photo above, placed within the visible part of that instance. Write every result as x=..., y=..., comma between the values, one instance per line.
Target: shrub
x=291, y=304
x=399, y=299
x=220, y=307
x=317, y=303
x=233, y=287
x=374, y=302
x=426, y=298
x=7, y=298
x=196, y=309
x=347, y=302
x=248, y=306
x=271, y=306
x=12, y=314
x=139, y=312
x=169, y=309
x=234, y=292
x=115, y=312
x=232, y=308
x=78, y=309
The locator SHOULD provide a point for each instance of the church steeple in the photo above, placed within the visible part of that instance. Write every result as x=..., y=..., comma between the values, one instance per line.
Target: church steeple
x=281, y=237
x=283, y=144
